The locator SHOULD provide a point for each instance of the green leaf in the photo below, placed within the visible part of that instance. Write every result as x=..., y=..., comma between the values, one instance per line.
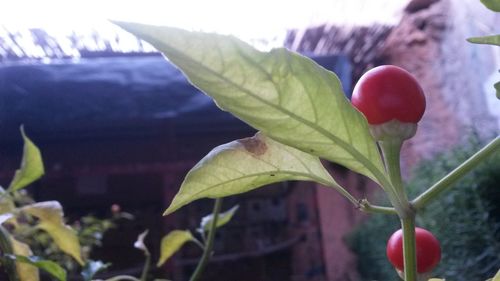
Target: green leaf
x=91, y=268
x=171, y=243
x=281, y=93
x=31, y=165
x=493, y=5
x=139, y=243
x=246, y=164
x=26, y=272
x=497, y=87
x=497, y=277
x=489, y=40
x=50, y=215
x=222, y=219
x=6, y=202
x=50, y=267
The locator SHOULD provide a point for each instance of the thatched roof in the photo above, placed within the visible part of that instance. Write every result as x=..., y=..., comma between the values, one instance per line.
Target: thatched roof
x=362, y=44
x=45, y=44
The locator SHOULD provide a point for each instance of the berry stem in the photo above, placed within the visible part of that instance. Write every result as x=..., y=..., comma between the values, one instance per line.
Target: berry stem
x=391, y=151
x=391, y=148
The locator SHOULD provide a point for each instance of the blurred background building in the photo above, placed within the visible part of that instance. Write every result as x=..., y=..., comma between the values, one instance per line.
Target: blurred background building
x=116, y=123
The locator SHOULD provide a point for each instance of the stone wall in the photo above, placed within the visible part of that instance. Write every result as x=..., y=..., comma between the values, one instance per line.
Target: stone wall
x=430, y=43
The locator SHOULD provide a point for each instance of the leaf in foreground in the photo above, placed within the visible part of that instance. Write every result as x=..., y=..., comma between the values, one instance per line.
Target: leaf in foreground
x=31, y=165
x=488, y=40
x=171, y=243
x=222, y=219
x=281, y=93
x=48, y=266
x=51, y=220
x=493, y=5
x=246, y=164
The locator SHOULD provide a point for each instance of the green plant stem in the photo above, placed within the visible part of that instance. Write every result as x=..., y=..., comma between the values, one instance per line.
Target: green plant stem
x=409, y=248
x=391, y=150
x=207, y=253
x=123, y=277
x=6, y=247
x=147, y=265
x=198, y=242
x=425, y=198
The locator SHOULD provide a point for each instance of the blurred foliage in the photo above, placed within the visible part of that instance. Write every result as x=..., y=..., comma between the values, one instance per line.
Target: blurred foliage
x=466, y=220
x=90, y=231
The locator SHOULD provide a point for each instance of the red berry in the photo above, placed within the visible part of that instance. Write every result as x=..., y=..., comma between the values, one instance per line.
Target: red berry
x=428, y=250
x=389, y=92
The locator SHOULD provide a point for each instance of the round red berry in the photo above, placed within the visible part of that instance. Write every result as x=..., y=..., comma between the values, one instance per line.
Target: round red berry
x=388, y=93
x=428, y=250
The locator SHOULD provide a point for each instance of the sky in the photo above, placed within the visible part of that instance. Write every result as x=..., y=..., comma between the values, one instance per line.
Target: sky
x=247, y=20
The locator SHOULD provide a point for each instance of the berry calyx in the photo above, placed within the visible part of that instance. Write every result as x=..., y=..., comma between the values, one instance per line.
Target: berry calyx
x=387, y=93
x=428, y=250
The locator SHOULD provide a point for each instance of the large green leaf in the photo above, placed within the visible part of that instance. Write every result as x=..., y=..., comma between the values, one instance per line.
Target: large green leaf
x=488, y=40
x=281, y=93
x=171, y=243
x=31, y=165
x=50, y=267
x=246, y=164
x=493, y=5
x=51, y=220
x=222, y=219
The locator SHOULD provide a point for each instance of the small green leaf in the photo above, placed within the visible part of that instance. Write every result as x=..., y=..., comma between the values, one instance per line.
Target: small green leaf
x=26, y=272
x=493, y=5
x=246, y=164
x=6, y=202
x=497, y=277
x=171, y=243
x=139, y=243
x=222, y=219
x=497, y=87
x=50, y=215
x=31, y=165
x=488, y=40
x=50, y=267
x=91, y=268
x=281, y=93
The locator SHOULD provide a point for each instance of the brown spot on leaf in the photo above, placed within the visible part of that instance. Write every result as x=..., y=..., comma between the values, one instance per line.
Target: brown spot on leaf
x=254, y=145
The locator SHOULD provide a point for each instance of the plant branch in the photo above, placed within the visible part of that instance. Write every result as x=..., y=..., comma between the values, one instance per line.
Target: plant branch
x=367, y=207
x=207, y=253
x=147, y=265
x=455, y=175
x=122, y=277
